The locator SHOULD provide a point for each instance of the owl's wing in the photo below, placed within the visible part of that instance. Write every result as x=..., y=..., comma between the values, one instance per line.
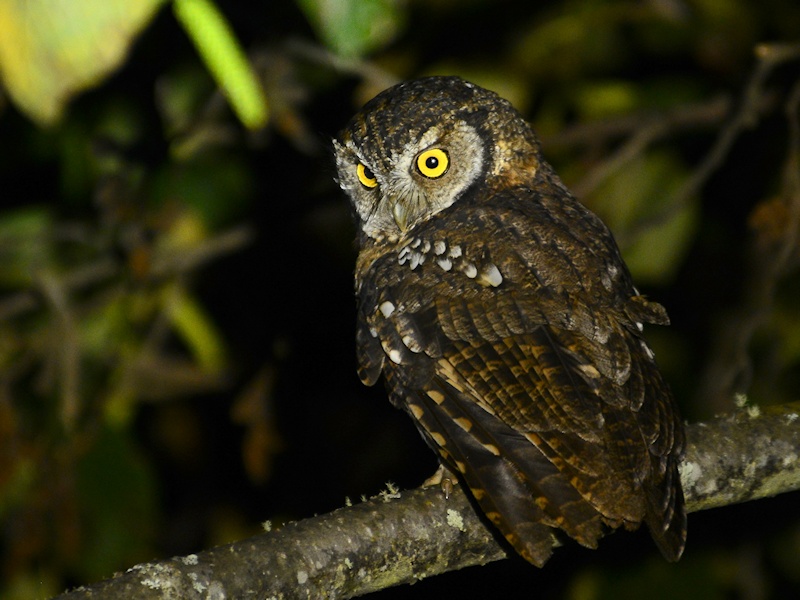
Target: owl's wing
x=523, y=422
x=538, y=391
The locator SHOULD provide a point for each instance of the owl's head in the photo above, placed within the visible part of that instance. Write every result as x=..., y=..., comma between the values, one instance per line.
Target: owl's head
x=420, y=146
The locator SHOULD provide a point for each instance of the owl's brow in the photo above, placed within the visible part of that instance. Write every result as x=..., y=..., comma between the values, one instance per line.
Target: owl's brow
x=428, y=137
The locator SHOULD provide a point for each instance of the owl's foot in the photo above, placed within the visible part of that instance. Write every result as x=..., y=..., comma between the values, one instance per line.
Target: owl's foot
x=444, y=478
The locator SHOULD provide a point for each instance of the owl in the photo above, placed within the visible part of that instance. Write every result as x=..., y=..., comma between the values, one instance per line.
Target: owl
x=505, y=323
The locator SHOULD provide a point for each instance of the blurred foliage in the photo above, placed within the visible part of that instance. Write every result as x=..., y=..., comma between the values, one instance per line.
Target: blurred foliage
x=217, y=46
x=52, y=49
x=169, y=379
x=355, y=27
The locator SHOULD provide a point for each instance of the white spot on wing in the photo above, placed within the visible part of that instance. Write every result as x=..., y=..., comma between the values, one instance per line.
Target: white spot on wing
x=445, y=263
x=402, y=256
x=455, y=251
x=490, y=275
x=470, y=270
x=608, y=278
x=601, y=334
x=393, y=353
x=439, y=247
x=387, y=308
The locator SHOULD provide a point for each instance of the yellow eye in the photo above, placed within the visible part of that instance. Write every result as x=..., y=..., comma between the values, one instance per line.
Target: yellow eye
x=433, y=163
x=365, y=176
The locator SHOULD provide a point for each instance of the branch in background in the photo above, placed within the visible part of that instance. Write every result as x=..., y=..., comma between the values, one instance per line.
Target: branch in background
x=401, y=538
x=105, y=269
x=600, y=133
x=729, y=369
x=770, y=56
x=644, y=130
x=755, y=100
x=203, y=253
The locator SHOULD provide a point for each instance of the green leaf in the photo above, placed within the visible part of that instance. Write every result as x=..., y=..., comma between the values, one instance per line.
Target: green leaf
x=224, y=57
x=354, y=27
x=195, y=328
x=52, y=49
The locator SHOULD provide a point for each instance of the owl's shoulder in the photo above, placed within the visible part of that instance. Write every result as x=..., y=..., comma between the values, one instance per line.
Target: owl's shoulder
x=519, y=236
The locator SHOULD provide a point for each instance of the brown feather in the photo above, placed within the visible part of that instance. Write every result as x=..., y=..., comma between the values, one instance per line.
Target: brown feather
x=507, y=325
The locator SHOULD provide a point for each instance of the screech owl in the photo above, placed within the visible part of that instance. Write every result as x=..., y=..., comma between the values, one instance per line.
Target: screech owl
x=505, y=322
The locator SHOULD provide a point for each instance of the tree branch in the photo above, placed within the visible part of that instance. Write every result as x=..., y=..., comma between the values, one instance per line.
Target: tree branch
x=768, y=260
x=400, y=538
x=105, y=268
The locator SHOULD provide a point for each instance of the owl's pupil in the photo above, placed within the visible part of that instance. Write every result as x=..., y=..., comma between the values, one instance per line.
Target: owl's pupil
x=432, y=162
x=368, y=174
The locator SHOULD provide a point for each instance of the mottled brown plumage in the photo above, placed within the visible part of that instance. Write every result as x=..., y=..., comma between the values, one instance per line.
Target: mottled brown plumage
x=504, y=321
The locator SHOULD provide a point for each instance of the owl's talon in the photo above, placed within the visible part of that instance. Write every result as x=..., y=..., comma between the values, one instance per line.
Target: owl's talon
x=444, y=478
x=447, y=487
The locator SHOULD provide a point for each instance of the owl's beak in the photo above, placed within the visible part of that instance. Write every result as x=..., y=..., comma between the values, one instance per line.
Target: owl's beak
x=400, y=214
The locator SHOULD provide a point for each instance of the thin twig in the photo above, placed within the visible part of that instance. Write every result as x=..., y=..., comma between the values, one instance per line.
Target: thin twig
x=600, y=133
x=751, y=107
x=67, y=346
x=635, y=146
x=730, y=366
x=106, y=268
x=79, y=278
x=207, y=251
x=791, y=180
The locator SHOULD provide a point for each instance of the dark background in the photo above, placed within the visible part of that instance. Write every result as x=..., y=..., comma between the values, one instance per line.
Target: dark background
x=166, y=453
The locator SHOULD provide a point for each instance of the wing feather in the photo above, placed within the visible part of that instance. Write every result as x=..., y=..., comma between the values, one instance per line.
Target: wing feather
x=540, y=392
